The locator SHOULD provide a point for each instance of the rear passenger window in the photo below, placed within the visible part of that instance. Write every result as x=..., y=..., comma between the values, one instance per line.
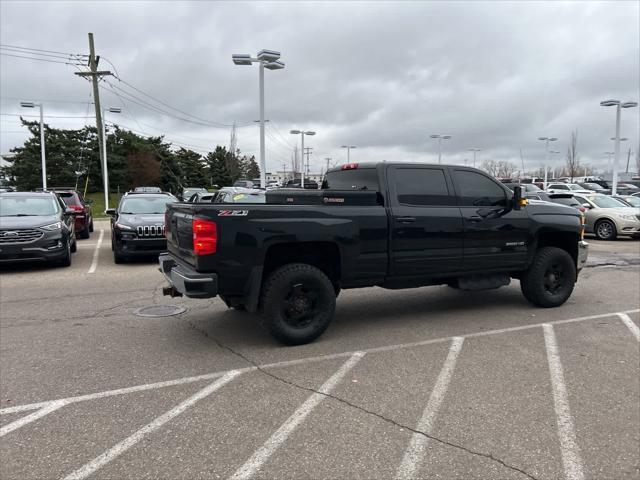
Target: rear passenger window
x=476, y=190
x=422, y=186
x=356, y=179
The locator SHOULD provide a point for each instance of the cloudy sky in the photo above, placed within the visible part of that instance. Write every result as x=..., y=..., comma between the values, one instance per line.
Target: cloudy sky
x=381, y=76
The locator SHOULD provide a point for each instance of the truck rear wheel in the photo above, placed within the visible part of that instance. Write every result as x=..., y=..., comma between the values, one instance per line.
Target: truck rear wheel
x=298, y=303
x=550, y=279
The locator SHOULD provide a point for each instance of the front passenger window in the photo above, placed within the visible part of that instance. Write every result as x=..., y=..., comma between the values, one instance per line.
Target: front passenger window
x=476, y=190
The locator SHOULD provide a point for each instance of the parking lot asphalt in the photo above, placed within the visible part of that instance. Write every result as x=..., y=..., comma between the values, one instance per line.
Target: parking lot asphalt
x=422, y=383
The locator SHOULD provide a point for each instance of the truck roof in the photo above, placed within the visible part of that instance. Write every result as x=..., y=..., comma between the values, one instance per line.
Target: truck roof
x=363, y=165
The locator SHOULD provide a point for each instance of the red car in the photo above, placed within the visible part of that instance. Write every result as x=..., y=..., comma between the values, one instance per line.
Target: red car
x=84, y=217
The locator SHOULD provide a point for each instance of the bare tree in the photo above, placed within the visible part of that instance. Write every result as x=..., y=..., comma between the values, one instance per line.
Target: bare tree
x=490, y=166
x=573, y=159
x=506, y=169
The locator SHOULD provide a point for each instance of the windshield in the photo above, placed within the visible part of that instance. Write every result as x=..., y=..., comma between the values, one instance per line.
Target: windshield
x=593, y=186
x=190, y=191
x=27, y=206
x=574, y=186
x=608, y=202
x=633, y=201
x=530, y=187
x=145, y=205
x=572, y=202
x=246, y=198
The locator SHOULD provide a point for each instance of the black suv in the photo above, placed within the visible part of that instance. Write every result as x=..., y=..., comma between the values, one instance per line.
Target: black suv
x=36, y=226
x=137, y=225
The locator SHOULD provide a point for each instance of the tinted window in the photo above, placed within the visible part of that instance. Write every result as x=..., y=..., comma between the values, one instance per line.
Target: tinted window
x=357, y=179
x=69, y=198
x=27, y=206
x=559, y=187
x=477, y=190
x=572, y=202
x=422, y=186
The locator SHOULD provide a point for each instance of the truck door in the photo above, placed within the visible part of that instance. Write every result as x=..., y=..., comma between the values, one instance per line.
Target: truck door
x=426, y=224
x=495, y=235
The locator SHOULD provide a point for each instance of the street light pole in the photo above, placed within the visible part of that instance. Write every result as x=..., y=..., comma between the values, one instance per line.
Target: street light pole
x=474, y=150
x=348, y=147
x=546, y=157
x=105, y=170
x=440, y=138
x=263, y=160
x=619, y=106
x=266, y=59
x=302, y=133
x=43, y=156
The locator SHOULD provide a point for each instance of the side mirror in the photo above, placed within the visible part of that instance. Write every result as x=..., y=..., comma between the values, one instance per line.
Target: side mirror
x=587, y=206
x=110, y=211
x=518, y=201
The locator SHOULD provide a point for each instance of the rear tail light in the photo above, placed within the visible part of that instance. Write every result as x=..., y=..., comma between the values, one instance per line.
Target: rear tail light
x=349, y=166
x=205, y=236
x=77, y=208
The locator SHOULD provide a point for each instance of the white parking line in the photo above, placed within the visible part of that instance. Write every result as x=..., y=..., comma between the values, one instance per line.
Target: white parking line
x=254, y=463
x=299, y=361
x=630, y=325
x=414, y=454
x=566, y=433
x=96, y=252
x=46, y=410
x=126, y=444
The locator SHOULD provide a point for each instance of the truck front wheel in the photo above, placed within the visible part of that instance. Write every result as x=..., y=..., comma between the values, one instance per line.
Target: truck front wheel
x=550, y=279
x=298, y=303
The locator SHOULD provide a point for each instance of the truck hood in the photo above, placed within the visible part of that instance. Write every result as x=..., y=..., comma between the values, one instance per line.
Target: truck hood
x=540, y=207
x=142, y=219
x=27, y=222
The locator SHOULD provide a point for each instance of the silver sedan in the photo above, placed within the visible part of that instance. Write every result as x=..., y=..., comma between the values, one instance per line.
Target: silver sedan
x=607, y=217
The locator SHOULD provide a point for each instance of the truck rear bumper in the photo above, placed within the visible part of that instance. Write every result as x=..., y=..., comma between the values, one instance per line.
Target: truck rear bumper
x=186, y=280
x=583, y=252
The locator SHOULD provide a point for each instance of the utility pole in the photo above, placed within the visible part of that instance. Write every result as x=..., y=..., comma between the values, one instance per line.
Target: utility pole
x=307, y=152
x=95, y=75
x=328, y=159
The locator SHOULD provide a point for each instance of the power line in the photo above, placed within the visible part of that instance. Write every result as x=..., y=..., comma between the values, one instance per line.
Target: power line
x=41, y=50
x=39, y=59
x=45, y=100
x=50, y=55
x=45, y=116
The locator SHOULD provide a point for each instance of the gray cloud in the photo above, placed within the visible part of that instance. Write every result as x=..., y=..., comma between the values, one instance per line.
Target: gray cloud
x=382, y=76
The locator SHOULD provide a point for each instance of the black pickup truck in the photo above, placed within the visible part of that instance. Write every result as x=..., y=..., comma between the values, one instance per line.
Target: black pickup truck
x=391, y=225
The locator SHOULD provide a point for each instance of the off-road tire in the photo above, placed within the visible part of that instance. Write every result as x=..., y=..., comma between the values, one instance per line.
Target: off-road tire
x=91, y=225
x=74, y=246
x=84, y=233
x=605, y=230
x=280, y=285
x=547, y=263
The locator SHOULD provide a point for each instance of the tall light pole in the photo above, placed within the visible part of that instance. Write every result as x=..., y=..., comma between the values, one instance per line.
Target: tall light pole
x=554, y=152
x=267, y=59
x=440, y=138
x=105, y=170
x=619, y=106
x=474, y=150
x=42, y=147
x=302, y=133
x=608, y=154
x=348, y=147
x=546, y=156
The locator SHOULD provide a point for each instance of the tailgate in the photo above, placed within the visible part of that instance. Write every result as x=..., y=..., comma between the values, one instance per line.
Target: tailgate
x=179, y=232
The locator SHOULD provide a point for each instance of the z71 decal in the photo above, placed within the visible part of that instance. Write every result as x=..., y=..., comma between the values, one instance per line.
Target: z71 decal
x=233, y=213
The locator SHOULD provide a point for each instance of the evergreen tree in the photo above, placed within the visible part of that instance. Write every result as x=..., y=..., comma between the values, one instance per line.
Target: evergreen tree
x=217, y=163
x=252, y=169
x=192, y=167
